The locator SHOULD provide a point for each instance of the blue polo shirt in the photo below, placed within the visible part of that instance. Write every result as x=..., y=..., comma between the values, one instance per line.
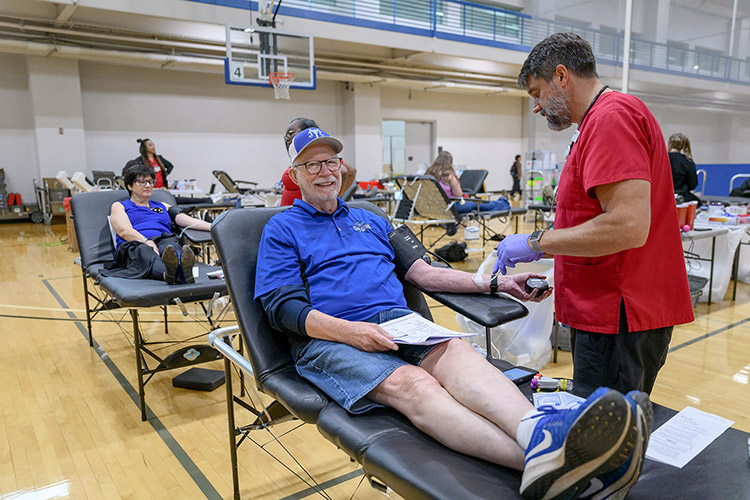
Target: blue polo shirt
x=344, y=260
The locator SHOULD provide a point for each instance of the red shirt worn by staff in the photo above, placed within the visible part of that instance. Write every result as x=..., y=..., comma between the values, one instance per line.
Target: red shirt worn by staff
x=159, y=180
x=620, y=140
x=291, y=190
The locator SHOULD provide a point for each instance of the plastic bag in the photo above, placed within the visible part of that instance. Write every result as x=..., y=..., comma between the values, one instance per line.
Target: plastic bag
x=524, y=342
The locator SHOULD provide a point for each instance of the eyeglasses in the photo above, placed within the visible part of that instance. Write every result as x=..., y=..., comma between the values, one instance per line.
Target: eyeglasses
x=313, y=167
x=145, y=182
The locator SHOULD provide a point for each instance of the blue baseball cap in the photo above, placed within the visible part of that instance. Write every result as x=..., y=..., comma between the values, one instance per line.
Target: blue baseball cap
x=311, y=136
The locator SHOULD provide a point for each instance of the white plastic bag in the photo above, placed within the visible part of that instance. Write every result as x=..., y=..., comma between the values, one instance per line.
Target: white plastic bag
x=525, y=341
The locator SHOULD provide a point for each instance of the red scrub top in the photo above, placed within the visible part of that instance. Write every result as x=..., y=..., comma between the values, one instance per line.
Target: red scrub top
x=619, y=140
x=159, y=177
x=291, y=190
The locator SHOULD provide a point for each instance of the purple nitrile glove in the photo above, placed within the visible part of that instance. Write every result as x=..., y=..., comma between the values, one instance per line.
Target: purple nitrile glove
x=514, y=249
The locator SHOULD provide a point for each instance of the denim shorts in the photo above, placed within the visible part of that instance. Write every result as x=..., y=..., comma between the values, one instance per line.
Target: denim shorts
x=347, y=374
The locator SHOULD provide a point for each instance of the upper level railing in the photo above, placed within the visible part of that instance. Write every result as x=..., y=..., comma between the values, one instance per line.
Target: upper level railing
x=480, y=24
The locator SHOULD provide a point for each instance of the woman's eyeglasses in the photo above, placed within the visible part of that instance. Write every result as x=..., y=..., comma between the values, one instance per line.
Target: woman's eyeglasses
x=313, y=167
x=145, y=182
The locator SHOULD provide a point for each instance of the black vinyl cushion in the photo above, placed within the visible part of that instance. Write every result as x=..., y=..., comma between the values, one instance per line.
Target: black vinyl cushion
x=417, y=467
x=413, y=464
x=487, y=310
x=148, y=292
x=90, y=212
x=472, y=181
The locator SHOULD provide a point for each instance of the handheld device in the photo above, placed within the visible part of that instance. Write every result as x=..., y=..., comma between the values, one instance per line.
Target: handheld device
x=519, y=375
x=536, y=284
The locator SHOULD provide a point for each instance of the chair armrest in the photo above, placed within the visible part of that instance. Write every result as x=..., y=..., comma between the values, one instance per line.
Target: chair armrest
x=246, y=182
x=486, y=309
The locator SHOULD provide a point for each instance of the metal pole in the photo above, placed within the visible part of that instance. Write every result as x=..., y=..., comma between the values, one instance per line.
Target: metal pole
x=731, y=31
x=626, y=46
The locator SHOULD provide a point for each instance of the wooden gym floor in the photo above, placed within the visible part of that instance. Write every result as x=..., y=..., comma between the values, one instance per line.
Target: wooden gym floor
x=71, y=427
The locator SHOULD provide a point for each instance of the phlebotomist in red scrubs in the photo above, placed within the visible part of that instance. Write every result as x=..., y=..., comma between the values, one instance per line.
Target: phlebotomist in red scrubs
x=620, y=274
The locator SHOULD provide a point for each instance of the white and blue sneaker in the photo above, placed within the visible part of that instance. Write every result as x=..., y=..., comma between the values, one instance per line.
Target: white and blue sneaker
x=615, y=484
x=566, y=449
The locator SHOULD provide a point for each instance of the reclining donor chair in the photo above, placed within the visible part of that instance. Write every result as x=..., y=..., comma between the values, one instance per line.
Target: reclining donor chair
x=90, y=216
x=424, y=203
x=391, y=450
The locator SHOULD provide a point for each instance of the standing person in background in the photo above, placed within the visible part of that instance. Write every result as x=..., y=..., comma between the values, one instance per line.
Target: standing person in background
x=515, y=172
x=615, y=221
x=160, y=165
x=684, y=175
x=291, y=191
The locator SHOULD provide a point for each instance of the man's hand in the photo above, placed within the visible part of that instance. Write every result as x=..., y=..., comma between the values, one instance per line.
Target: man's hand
x=512, y=250
x=151, y=244
x=515, y=285
x=368, y=337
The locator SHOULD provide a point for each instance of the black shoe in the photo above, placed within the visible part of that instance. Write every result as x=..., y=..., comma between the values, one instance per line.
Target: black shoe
x=187, y=261
x=169, y=258
x=451, y=229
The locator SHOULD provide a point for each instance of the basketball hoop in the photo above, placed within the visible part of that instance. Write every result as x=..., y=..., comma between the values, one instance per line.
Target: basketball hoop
x=281, y=82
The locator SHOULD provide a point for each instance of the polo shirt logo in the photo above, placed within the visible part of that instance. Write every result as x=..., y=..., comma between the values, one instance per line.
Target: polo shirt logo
x=361, y=227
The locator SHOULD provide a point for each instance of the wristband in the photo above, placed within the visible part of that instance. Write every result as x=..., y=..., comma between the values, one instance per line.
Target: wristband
x=145, y=240
x=493, y=284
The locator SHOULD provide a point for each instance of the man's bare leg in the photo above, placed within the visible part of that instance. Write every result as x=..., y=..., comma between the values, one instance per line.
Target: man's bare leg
x=421, y=398
x=477, y=384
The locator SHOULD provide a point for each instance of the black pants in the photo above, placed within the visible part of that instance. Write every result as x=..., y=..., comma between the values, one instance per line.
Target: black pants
x=516, y=187
x=137, y=260
x=624, y=361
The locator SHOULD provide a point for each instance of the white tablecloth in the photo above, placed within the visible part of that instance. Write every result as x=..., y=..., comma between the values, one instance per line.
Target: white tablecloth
x=726, y=245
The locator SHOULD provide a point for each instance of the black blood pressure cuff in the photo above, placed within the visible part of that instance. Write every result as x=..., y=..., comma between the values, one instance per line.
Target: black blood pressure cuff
x=173, y=213
x=407, y=249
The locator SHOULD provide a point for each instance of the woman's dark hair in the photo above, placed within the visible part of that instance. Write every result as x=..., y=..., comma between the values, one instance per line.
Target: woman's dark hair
x=567, y=49
x=135, y=171
x=144, y=153
x=518, y=157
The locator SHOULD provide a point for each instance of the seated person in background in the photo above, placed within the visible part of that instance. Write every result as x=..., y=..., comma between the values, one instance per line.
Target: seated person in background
x=291, y=191
x=743, y=190
x=684, y=175
x=146, y=247
x=160, y=165
x=311, y=252
x=442, y=170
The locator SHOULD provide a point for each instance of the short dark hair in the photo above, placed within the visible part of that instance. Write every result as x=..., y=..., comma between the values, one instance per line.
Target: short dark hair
x=304, y=123
x=567, y=49
x=518, y=157
x=133, y=171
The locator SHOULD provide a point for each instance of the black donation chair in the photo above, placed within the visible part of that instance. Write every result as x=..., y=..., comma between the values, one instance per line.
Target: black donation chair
x=472, y=181
x=391, y=450
x=424, y=203
x=90, y=216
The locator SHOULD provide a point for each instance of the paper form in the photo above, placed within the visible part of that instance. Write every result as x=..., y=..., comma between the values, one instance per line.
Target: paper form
x=685, y=435
x=414, y=329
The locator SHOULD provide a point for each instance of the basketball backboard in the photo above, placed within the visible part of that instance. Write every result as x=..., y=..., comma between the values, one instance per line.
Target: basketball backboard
x=254, y=53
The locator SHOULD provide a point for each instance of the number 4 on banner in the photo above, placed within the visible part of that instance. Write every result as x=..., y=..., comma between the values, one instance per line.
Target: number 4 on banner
x=237, y=71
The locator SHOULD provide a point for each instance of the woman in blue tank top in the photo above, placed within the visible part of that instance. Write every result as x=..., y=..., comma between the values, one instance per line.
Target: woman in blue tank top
x=146, y=247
